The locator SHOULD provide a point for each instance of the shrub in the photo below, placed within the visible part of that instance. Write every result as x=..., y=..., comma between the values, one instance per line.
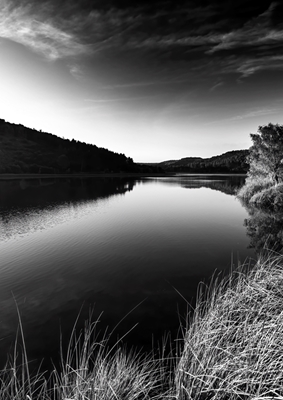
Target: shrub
x=253, y=186
x=270, y=198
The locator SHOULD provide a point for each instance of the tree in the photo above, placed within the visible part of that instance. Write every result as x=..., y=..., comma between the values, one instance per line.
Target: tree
x=266, y=153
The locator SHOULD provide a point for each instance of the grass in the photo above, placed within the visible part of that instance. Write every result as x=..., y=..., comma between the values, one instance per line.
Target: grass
x=232, y=349
x=90, y=370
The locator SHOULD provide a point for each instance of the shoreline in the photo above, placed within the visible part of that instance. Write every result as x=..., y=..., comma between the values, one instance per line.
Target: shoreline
x=113, y=175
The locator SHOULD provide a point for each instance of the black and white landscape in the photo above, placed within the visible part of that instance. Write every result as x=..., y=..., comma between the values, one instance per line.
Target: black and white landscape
x=141, y=198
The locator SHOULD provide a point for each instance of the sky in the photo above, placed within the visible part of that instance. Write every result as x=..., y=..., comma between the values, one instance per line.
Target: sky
x=154, y=80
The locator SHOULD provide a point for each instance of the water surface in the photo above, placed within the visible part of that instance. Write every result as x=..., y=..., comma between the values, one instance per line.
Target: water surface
x=71, y=244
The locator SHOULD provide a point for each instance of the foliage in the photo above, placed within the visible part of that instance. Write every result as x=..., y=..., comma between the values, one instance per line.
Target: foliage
x=253, y=186
x=266, y=153
x=269, y=198
x=266, y=168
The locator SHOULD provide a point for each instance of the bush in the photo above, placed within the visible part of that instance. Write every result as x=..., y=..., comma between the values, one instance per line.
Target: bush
x=253, y=186
x=270, y=198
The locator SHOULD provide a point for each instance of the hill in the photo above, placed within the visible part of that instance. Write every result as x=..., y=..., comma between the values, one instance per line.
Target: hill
x=232, y=161
x=25, y=150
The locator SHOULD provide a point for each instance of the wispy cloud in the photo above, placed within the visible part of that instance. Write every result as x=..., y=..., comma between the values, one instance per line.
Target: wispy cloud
x=118, y=100
x=257, y=32
x=188, y=40
x=251, y=66
x=216, y=86
x=156, y=82
x=21, y=25
x=249, y=114
x=254, y=113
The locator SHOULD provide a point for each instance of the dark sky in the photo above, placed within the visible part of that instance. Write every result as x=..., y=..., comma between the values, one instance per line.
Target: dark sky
x=155, y=80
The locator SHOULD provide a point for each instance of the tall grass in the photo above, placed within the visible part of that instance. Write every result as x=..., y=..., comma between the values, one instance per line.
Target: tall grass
x=94, y=371
x=90, y=369
x=233, y=348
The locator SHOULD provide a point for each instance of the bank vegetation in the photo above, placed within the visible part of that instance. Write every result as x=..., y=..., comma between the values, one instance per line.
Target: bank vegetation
x=264, y=183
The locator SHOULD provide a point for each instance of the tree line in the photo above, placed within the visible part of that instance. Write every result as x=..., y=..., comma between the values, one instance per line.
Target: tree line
x=26, y=150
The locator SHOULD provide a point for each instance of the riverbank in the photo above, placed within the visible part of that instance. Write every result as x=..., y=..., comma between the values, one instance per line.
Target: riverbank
x=97, y=175
x=107, y=175
x=232, y=348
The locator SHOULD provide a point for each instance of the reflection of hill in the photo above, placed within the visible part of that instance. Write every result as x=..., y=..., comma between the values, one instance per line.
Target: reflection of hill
x=227, y=184
x=27, y=205
x=265, y=229
x=226, y=187
x=36, y=192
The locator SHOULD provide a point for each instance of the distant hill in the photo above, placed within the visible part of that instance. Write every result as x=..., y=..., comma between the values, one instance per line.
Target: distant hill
x=230, y=162
x=25, y=150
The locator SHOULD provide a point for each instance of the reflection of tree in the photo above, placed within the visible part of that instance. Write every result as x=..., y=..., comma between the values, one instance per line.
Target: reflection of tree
x=41, y=193
x=225, y=186
x=265, y=229
x=31, y=205
x=228, y=184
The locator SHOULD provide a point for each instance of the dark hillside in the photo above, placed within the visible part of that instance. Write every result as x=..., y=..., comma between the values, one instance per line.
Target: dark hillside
x=25, y=150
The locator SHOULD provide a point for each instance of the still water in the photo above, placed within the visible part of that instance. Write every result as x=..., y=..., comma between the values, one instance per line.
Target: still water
x=132, y=248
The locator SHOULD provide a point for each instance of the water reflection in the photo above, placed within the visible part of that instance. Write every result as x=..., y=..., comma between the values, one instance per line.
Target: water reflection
x=111, y=244
x=225, y=184
x=31, y=205
x=265, y=229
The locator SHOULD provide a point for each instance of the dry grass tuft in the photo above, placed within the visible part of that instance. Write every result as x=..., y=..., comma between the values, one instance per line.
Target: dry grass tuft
x=91, y=371
x=234, y=346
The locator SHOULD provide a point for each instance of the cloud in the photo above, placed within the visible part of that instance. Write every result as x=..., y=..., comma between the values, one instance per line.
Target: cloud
x=254, y=113
x=257, y=32
x=118, y=100
x=247, y=66
x=249, y=114
x=156, y=82
x=21, y=25
x=122, y=41
x=217, y=85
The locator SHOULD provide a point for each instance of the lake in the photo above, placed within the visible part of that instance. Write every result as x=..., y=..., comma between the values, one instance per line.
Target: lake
x=131, y=249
